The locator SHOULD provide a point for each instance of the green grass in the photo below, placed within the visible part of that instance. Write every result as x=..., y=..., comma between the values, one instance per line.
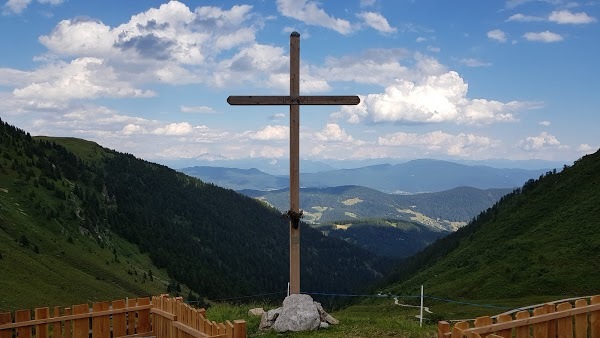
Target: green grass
x=373, y=318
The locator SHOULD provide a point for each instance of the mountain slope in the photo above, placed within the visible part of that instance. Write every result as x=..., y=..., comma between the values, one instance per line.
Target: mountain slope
x=216, y=241
x=385, y=237
x=542, y=239
x=445, y=210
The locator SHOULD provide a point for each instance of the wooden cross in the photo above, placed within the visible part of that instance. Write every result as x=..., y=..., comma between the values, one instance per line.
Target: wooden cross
x=294, y=100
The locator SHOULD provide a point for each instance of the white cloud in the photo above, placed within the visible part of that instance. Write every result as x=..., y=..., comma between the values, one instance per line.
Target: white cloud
x=434, y=99
x=545, y=36
x=174, y=129
x=585, y=148
x=333, y=132
x=524, y=18
x=540, y=142
x=421, y=39
x=567, y=17
x=82, y=78
x=309, y=12
x=463, y=145
x=497, y=35
x=277, y=132
x=379, y=67
x=277, y=116
x=16, y=6
x=377, y=22
x=367, y=3
x=470, y=62
x=433, y=49
x=197, y=109
x=170, y=33
x=545, y=123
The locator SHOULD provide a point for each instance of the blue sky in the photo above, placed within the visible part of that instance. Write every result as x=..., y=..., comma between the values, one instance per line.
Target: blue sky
x=456, y=80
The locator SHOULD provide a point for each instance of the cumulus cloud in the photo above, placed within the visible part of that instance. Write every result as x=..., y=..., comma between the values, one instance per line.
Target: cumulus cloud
x=197, y=109
x=497, y=35
x=470, y=62
x=545, y=36
x=333, y=132
x=170, y=32
x=310, y=13
x=567, y=17
x=379, y=67
x=543, y=141
x=434, y=99
x=524, y=18
x=82, y=78
x=463, y=145
x=545, y=123
x=377, y=22
x=277, y=116
x=18, y=6
x=277, y=132
x=367, y=3
x=585, y=148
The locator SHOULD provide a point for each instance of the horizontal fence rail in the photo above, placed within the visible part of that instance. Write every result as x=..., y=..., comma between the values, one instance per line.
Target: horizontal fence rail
x=164, y=317
x=547, y=321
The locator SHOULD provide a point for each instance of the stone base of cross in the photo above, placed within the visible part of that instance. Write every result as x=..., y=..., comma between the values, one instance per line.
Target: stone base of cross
x=294, y=100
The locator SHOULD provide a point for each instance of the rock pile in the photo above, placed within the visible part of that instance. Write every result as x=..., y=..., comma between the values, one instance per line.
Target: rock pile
x=298, y=313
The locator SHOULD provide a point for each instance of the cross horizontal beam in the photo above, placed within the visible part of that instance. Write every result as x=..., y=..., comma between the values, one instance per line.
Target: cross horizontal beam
x=292, y=100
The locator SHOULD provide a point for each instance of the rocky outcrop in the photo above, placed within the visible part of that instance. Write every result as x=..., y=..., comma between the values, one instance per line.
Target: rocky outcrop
x=298, y=313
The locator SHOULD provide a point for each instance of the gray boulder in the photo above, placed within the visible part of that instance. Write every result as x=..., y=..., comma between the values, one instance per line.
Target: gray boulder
x=268, y=318
x=299, y=313
x=256, y=312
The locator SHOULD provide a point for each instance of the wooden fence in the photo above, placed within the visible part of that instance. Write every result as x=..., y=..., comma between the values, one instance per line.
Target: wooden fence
x=547, y=321
x=164, y=317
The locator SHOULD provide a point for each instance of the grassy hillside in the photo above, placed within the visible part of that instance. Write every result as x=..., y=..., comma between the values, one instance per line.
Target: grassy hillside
x=101, y=219
x=542, y=239
x=48, y=259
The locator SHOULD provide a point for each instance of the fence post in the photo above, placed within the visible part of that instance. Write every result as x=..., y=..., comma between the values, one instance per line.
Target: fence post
x=41, y=330
x=23, y=316
x=421, y=317
x=68, y=324
x=595, y=318
x=551, y=308
x=565, y=325
x=540, y=330
x=101, y=324
x=118, y=319
x=57, y=330
x=81, y=327
x=443, y=329
x=504, y=319
x=581, y=321
x=5, y=318
x=523, y=331
x=458, y=329
x=239, y=328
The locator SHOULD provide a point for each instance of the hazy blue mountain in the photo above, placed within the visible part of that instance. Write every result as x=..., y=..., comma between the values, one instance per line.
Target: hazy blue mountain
x=410, y=177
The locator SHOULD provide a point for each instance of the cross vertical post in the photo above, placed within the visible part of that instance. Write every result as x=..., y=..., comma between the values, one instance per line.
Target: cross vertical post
x=294, y=100
x=294, y=164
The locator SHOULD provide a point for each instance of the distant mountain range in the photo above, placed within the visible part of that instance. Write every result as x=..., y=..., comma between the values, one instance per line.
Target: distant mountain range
x=410, y=177
x=446, y=210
